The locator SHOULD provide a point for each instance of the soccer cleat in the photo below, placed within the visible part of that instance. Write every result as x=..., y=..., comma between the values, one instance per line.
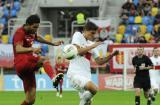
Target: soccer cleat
x=56, y=79
x=60, y=96
x=153, y=98
x=149, y=102
x=57, y=94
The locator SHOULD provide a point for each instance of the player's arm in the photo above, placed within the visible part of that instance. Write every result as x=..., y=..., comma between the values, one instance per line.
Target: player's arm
x=84, y=50
x=149, y=63
x=106, y=59
x=134, y=64
x=20, y=49
x=42, y=40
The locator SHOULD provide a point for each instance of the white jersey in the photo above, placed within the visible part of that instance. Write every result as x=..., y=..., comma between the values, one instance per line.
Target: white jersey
x=155, y=74
x=80, y=65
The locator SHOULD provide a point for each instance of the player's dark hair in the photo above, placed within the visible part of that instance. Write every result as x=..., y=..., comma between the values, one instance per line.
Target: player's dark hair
x=33, y=19
x=89, y=26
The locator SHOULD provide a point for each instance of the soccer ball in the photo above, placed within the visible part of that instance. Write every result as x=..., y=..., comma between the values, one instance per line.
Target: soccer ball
x=70, y=51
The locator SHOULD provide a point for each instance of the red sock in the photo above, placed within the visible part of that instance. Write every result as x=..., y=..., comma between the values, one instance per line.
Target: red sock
x=48, y=69
x=25, y=103
x=61, y=83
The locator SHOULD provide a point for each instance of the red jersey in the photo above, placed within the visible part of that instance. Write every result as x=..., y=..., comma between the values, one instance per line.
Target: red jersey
x=59, y=67
x=21, y=36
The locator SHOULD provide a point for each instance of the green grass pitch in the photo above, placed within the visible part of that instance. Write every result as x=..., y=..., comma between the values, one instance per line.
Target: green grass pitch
x=71, y=98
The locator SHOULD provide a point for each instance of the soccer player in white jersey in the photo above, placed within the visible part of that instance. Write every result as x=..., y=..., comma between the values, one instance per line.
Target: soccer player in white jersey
x=155, y=74
x=79, y=71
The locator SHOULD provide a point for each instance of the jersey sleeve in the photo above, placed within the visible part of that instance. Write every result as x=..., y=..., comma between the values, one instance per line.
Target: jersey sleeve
x=133, y=61
x=76, y=39
x=18, y=37
x=99, y=51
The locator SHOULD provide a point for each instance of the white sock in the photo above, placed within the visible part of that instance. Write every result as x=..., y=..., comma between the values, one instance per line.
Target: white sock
x=87, y=95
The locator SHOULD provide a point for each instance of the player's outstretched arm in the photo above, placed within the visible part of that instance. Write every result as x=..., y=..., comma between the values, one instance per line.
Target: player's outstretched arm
x=21, y=49
x=106, y=59
x=42, y=40
x=84, y=50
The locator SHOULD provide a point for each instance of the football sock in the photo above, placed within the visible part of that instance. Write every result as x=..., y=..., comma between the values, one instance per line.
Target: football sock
x=61, y=83
x=137, y=100
x=87, y=95
x=48, y=69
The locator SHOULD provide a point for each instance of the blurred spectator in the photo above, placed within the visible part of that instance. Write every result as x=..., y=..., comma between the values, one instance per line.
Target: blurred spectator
x=132, y=10
x=127, y=5
x=156, y=31
x=126, y=11
x=1, y=29
x=80, y=18
x=157, y=18
x=147, y=8
x=140, y=39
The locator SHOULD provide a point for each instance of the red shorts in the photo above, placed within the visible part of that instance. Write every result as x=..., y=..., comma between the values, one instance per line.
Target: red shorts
x=25, y=69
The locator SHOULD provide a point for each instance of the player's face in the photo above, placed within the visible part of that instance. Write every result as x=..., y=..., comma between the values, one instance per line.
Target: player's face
x=140, y=51
x=91, y=34
x=33, y=28
x=155, y=52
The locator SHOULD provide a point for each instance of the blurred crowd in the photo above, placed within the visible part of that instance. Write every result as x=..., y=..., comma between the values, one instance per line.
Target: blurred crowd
x=8, y=9
x=140, y=22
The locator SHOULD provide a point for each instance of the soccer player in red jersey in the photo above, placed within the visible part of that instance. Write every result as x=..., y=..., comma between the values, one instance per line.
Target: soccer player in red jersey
x=27, y=59
x=60, y=68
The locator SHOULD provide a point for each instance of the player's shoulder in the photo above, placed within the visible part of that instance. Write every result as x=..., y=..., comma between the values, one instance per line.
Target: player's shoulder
x=145, y=56
x=77, y=34
x=135, y=57
x=20, y=30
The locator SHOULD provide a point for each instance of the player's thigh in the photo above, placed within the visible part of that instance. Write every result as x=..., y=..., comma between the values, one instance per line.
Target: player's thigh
x=154, y=83
x=137, y=83
x=29, y=81
x=146, y=84
x=28, y=64
x=78, y=82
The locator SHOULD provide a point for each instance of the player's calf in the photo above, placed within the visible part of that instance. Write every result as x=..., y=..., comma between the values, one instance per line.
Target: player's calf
x=56, y=79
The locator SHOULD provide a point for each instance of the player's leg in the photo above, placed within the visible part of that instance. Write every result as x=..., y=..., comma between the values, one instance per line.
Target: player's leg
x=137, y=96
x=38, y=61
x=137, y=86
x=50, y=72
x=148, y=96
x=84, y=85
x=57, y=89
x=154, y=84
x=154, y=88
x=90, y=90
x=146, y=88
x=61, y=84
x=29, y=84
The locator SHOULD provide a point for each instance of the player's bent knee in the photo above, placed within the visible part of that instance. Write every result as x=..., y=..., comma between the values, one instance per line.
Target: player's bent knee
x=92, y=87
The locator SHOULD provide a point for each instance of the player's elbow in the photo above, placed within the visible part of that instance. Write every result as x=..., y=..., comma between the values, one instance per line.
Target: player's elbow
x=99, y=61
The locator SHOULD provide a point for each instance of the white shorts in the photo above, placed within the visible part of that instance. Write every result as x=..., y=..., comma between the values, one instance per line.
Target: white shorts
x=155, y=78
x=77, y=81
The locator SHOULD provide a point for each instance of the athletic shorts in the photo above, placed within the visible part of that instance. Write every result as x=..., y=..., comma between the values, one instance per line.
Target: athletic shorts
x=155, y=78
x=77, y=81
x=25, y=69
x=142, y=82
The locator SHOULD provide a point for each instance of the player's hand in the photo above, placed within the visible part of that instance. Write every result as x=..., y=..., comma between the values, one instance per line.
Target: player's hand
x=58, y=43
x=36, y=50
x=142, y=67
x=116, y=52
